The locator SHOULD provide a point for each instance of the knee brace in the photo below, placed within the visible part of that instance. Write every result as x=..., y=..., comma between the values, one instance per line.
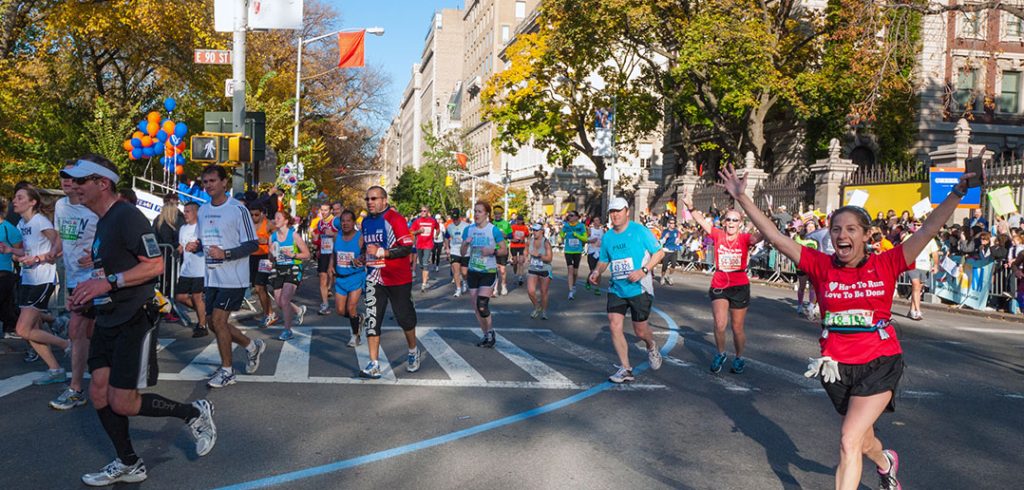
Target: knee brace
x=482, y=306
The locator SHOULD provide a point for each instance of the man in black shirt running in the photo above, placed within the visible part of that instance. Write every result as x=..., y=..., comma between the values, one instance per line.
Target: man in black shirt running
x=122, y=355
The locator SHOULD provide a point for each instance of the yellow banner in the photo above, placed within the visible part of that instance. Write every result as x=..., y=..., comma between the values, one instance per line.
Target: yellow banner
x=883, y=197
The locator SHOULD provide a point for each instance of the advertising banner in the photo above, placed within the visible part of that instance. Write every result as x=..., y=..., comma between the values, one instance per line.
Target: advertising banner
x=970, y=284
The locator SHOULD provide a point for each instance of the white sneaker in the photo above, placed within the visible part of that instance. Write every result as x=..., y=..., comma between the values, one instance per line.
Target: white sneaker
x=221, y=378
x=301, y=315
x=458, y=292
x=253, y=361
x=202, y=427
x=354, y=341
x=116, y=472
x=654, y=355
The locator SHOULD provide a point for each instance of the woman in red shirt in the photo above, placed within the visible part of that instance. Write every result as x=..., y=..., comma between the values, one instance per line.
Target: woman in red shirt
x=862, y=360
x=730, y=286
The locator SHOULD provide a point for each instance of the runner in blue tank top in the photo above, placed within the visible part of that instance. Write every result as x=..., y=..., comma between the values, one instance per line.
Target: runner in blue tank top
x=287, y=250
x=349, y=273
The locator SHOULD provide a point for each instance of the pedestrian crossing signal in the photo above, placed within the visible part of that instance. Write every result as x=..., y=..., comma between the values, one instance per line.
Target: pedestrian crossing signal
x=239, y=149
x=205, y=149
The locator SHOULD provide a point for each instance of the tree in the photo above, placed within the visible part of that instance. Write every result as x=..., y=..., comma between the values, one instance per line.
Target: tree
x=561, y=74
x=427, y=186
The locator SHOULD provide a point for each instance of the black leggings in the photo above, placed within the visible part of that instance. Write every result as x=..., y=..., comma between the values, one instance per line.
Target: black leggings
x=435, y=257
x=8, y=310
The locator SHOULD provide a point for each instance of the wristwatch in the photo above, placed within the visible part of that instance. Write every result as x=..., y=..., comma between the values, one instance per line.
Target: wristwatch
x=646, y=271
x=112, y=280
x=958, y=193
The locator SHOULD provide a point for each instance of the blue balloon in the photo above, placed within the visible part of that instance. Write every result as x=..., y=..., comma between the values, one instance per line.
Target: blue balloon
x=170, y=104
x=142, y=126
x=136, y=152
x=179, y=159
x=149, y=152
x=161, y=136
x=180, y=129
x=175, y=139
x=137, y=143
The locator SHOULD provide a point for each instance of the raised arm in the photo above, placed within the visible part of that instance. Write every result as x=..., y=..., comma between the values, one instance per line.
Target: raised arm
x=913, y=246
x=698, y=216
x=735, y=185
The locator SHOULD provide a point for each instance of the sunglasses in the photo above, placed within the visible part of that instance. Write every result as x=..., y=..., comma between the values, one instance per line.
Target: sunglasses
x=368, y=199
x=83, y=180
x=731, y=220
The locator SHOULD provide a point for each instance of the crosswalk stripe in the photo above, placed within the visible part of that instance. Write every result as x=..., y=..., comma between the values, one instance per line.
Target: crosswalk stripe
x=163, y=343
x=533, y=366
x=293, y=364
x=15, y=383
x=204, y=364
x=453, y=364
x=363, y=358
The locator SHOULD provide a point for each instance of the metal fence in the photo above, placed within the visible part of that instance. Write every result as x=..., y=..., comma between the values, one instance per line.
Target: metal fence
x=1004, y=171
x=796, y=192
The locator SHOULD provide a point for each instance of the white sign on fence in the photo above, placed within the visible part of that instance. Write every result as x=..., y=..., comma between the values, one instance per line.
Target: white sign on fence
x=923, y=207
x=858, y=198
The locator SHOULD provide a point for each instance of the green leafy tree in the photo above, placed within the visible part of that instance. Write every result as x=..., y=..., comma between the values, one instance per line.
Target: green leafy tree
x=425, y=187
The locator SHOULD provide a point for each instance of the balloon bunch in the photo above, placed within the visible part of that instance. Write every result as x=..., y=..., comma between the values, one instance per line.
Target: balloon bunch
x=288, y=176
x=162, y=137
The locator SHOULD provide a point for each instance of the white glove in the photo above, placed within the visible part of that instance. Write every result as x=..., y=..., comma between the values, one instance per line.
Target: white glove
x=380, y=252
x=828, y=369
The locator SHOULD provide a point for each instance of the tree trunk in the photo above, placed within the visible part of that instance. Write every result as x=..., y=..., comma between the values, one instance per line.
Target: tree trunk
x=755, y=124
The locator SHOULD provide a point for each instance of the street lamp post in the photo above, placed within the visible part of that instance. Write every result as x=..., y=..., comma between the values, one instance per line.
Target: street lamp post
x=377, y=31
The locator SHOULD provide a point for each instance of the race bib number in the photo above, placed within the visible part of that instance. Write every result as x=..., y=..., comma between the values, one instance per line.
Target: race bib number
x=327, y=245
x=345, y=259
x=622, y=268
x=518, y=235
x=573, y=243
x=536, y=264
x=849, y=318
x=265, y=266
x=729, y=260
x=425, y=229
x=281, y=257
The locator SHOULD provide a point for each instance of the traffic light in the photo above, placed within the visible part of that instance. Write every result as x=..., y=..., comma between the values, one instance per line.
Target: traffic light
x=239, y=149
x=205, y=149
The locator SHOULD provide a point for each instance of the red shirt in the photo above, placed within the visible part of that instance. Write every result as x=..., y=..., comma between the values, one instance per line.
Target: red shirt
x=427, y=226
x=730, y=259
x=854, y=294
x=387, y=230
x=519, y=234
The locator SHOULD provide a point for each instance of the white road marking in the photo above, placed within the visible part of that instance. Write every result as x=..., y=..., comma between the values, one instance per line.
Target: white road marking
x=990, y=330
x=445, y=383
x=163, y=343
x=533, y=366
x=467, y=311
x=204, y=364
x=1016, y=396
x=453, y=364
x=15, y=383
x=293, y=364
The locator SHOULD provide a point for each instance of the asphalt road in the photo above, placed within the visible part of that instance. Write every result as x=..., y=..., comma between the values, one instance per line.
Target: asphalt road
x=536, y=412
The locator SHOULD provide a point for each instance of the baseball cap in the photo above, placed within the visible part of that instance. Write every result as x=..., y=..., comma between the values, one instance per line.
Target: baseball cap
x=536, y=227
x=617, y=204
x=86, y=168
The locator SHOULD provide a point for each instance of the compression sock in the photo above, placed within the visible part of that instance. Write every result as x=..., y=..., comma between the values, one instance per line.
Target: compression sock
x=116, y=427
x=154, y=405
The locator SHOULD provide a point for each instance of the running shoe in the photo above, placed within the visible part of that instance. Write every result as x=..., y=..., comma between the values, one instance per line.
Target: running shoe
x=52, y=377
x=221, y=378
x=286, y=335
x=458, y=292
x=301, y=315
x=69, y=399
x=253, y=362
x=372, y=370
x=12, y=336
x=31, y=355
x=488, y=340
x=354, y=340
x=324, y=310
x=520, y=280
x=800, y=309
x=572, y=293
x=543, y=314
x=269, y=320
x=597, y=291
x=465, y=287
x=200, y=331
x=504, y=289
x=586, y=286
x=535, y=314
x=668, y=280
x=718, y=361
x=654, y=355
x=202, y=427
x=413, y=361
x=622, y=375
x=812, y=312
x=423, y=288
x=887, y=480
x=738, y=365
x=67, y=350
x=116, y=472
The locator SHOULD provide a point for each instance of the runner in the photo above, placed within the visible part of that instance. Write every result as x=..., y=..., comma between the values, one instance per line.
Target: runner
x=10, y=240
x=927, y=262
x=730, y=286
x=423, y=229
x=502, y=260
x=574, y=235
x=483, y=243
x=803, y=238
x=628, y=245
x=324, y=237
x=517, y=245
x=388, y=244
x=435, y=257
x=594, y=234
x=226, y=238
x=189, y=289
x=289, y=250
x=671, y=242
x=862, y=360
x=260, y=266
x=122, y=355
x=38, y=280
x=453, y=242
x=77, y=227
x=540, y=270
x=349, y=273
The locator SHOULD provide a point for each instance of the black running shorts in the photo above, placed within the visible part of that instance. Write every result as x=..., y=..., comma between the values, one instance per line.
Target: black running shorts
x=258, y=278
x=639, y=306
x=291, y=274
x=477, y=280
x=227, y=299
x=376, y=300
x=573, y=260
x=877, y=376
x=35, y=296
x=738, y=296
x=129, y=350
x=189, y=285
x=323, y=263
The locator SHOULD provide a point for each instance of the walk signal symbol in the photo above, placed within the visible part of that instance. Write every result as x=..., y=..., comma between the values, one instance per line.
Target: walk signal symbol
x=205, y=149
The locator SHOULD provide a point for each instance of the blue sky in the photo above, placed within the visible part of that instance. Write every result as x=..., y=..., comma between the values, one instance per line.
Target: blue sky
x=405, y=24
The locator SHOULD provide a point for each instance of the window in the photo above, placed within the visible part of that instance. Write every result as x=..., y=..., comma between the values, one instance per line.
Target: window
x=965, y=84
x=971, y=25
x=520, y=9
x=1009, y=96
x=1014, y=27
x=506, y=33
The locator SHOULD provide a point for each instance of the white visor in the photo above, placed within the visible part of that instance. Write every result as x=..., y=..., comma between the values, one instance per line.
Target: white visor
x=85, y=168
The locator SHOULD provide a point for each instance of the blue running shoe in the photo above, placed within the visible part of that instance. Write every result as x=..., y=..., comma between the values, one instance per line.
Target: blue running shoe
x=738, y=365
x=286, y=335
x=718, y=361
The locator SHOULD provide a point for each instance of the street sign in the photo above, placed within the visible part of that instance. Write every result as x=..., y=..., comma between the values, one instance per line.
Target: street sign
x=941, y=181
x=229, y=87
x=211, y=57
x=262, y=14
x=205, y=149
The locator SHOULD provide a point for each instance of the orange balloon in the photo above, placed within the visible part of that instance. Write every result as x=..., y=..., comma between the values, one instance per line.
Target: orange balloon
x=168, y=145
x=169, y=127
x=137, y=134
x=152, y=128
x=153, y=117
x=127, y=145
x=146, y=141
x=168, y=151
x=178, y=170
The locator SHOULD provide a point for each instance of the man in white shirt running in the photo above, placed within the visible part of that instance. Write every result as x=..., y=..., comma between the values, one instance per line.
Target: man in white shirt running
x=227, y=238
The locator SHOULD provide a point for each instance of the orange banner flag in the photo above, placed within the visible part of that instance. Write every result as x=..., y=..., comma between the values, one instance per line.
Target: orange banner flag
x=462, y=159
x=351, y=49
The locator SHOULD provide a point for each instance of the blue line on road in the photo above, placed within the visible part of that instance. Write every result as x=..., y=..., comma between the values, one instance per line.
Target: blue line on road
x=670, y=343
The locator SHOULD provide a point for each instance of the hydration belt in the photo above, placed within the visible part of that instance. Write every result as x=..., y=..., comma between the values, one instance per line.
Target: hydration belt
x=879, y=327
